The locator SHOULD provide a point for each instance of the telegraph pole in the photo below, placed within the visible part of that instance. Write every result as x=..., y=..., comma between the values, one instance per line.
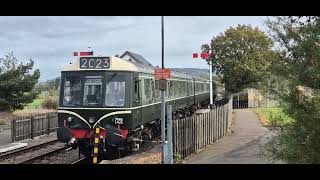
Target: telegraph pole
x=163, y=106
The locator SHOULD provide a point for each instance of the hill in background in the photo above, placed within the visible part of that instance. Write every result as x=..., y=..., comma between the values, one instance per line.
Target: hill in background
x=196, y=72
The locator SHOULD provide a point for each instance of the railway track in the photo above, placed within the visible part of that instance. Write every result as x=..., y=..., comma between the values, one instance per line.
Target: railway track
x=37, y=153
x=30, y=154
x=80, y=161
x=20, y=151
x=42, y=156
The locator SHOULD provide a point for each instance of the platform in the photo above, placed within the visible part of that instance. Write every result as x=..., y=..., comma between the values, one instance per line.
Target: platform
x=12, y=146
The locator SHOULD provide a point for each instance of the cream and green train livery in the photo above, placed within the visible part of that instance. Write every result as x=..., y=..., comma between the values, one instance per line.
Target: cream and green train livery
x=120, y=95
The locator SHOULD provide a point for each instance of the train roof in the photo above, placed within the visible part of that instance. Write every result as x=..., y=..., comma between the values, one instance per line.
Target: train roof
x=135, y=64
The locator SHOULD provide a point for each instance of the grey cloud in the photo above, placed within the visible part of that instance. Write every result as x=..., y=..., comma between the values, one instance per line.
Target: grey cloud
x=50, y=41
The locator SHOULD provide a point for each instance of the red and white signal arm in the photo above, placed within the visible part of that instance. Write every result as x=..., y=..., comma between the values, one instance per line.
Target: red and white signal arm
x=202, y=55
x=83, y=53
x=162, y=74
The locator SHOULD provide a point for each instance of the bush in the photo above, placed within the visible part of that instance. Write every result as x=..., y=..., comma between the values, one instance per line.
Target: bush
x=177, y=159
x=299, y=141
x=50, y=102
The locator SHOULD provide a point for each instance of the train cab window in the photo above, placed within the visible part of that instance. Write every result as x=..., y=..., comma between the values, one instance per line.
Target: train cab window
x=92, y=91
x=72, y=91
x=115, y=91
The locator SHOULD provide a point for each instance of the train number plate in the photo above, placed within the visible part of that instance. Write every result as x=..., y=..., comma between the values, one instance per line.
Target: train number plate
x=94, y=62
x=118, y=120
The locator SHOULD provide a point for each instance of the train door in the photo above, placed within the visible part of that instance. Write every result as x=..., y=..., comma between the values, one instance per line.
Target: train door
x=137, y=101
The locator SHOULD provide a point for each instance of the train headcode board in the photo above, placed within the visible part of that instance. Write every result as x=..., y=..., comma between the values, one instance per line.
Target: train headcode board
x=94, y=62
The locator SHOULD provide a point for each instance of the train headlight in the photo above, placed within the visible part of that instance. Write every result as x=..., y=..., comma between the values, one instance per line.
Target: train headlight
x=91, y=120
x=69, y=119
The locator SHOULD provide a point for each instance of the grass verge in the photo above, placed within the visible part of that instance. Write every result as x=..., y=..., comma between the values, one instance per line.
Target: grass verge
x=272, y=116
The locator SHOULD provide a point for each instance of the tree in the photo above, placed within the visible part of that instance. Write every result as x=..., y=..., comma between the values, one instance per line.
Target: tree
x=16, y=83
x=298, y=64
x=240, y=56
x=300, y=49
x=8, y=62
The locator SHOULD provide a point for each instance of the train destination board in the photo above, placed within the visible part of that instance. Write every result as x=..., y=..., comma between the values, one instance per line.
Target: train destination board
x=94, y=62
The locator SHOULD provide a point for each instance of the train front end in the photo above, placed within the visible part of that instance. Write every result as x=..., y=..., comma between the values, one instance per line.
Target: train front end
x=95, y=93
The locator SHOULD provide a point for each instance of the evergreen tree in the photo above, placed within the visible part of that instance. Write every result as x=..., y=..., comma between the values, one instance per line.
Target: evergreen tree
x=16, y=83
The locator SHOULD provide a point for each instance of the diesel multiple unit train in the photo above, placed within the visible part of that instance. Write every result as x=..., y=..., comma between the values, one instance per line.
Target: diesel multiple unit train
x=120, y=96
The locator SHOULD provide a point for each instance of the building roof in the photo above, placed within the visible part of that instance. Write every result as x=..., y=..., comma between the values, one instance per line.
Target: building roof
x=138, y=58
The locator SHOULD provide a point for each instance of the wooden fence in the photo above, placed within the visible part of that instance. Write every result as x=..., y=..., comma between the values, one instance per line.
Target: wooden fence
x=240, y=100
x=196, y=132
x=241, y=104
x=28, y=127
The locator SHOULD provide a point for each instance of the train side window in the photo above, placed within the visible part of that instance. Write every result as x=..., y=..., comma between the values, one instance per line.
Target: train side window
x=137, y=91
x=147, y=90
x=168, y=92
x=157, y=91
x=153, y=96
x=198, y=87
x=176, y=92
x=185, y=88
x=171, y=91
x=191, y=86
x=181, y=89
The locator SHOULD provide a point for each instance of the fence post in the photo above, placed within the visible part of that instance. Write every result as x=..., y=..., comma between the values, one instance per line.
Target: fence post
x=230, y=112
x=32, y=128
x=48, y=124
x=13, y=130
x=220, y=120
x=169, y=134
x=225, y=117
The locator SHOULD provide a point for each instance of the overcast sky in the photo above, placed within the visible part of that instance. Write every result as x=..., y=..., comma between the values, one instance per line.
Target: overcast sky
x=50, y=41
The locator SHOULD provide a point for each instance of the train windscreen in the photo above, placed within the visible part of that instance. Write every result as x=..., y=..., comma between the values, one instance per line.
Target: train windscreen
x=115, y=90
x=95, y=90
x=72, y=91
x=92, y=91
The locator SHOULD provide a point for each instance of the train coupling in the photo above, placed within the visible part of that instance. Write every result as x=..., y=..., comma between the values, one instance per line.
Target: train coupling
x=72, y=144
